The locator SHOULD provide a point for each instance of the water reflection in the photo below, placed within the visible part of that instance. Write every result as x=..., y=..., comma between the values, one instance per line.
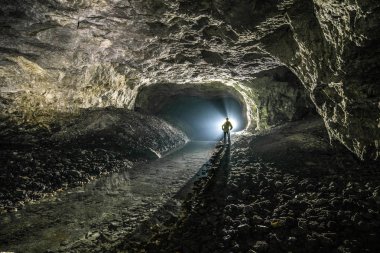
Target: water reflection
x=123, y=199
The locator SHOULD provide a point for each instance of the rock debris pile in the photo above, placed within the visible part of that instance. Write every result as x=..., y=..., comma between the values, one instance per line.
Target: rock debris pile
x=37, y=161
x=255, y=205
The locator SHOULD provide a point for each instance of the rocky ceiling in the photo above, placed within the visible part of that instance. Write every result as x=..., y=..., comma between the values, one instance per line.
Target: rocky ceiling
x=58, y=55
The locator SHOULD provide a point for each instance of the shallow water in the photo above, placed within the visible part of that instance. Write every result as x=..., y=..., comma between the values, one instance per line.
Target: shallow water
x=104, y=210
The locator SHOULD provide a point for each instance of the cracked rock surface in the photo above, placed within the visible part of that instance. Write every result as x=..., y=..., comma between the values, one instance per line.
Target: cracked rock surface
x=65, y=55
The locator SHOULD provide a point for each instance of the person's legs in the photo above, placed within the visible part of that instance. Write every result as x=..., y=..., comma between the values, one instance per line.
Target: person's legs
x=229, y=137
x=224, y=137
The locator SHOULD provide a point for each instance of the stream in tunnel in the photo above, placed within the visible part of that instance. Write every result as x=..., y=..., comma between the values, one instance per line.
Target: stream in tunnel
x=106, y=209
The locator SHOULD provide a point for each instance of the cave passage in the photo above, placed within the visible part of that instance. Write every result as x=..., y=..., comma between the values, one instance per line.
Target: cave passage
x=198, y=110
x=111, y=126
x=201, y=118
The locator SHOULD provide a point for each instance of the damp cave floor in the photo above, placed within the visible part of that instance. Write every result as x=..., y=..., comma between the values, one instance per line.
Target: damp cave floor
x=285, y=189
x=105, y=210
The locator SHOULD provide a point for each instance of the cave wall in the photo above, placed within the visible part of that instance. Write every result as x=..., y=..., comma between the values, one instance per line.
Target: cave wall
x=151, y=99
x=332, y=46
x=65, y=55
x=82, y=54
x=279, y=97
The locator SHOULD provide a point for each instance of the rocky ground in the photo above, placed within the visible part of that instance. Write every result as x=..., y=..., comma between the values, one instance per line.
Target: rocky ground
x=285, y=190
x=101, y=214
x=37, y=161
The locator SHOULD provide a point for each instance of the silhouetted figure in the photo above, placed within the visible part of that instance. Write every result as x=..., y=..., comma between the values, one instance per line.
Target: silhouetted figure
x=227, y=127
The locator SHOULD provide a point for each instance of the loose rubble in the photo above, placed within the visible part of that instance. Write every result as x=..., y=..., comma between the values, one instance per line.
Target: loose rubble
x=256, y=203
x=36, y=162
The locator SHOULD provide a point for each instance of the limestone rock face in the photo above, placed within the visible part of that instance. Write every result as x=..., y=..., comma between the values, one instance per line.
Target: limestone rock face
x=65, y=55
x=332, y=46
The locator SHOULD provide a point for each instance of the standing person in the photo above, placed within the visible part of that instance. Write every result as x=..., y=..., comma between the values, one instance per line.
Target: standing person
x=227, y=127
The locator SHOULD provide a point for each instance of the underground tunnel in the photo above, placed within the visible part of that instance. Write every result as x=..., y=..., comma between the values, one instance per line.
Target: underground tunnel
x=198, y=110
x=111, y=126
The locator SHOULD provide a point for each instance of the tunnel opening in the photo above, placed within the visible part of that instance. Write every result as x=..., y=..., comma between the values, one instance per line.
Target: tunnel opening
x=198, y=110
x=201, y=118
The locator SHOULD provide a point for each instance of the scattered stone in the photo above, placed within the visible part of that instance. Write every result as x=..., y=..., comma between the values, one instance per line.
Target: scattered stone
x=278, y=184
x=261, y=246
x=114, y=225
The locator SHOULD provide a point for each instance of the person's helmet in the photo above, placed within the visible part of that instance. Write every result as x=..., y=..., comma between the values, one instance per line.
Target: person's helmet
x=227, y=118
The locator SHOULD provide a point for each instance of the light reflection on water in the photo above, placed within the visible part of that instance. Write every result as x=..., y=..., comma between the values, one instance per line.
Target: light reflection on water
x=127, y=197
